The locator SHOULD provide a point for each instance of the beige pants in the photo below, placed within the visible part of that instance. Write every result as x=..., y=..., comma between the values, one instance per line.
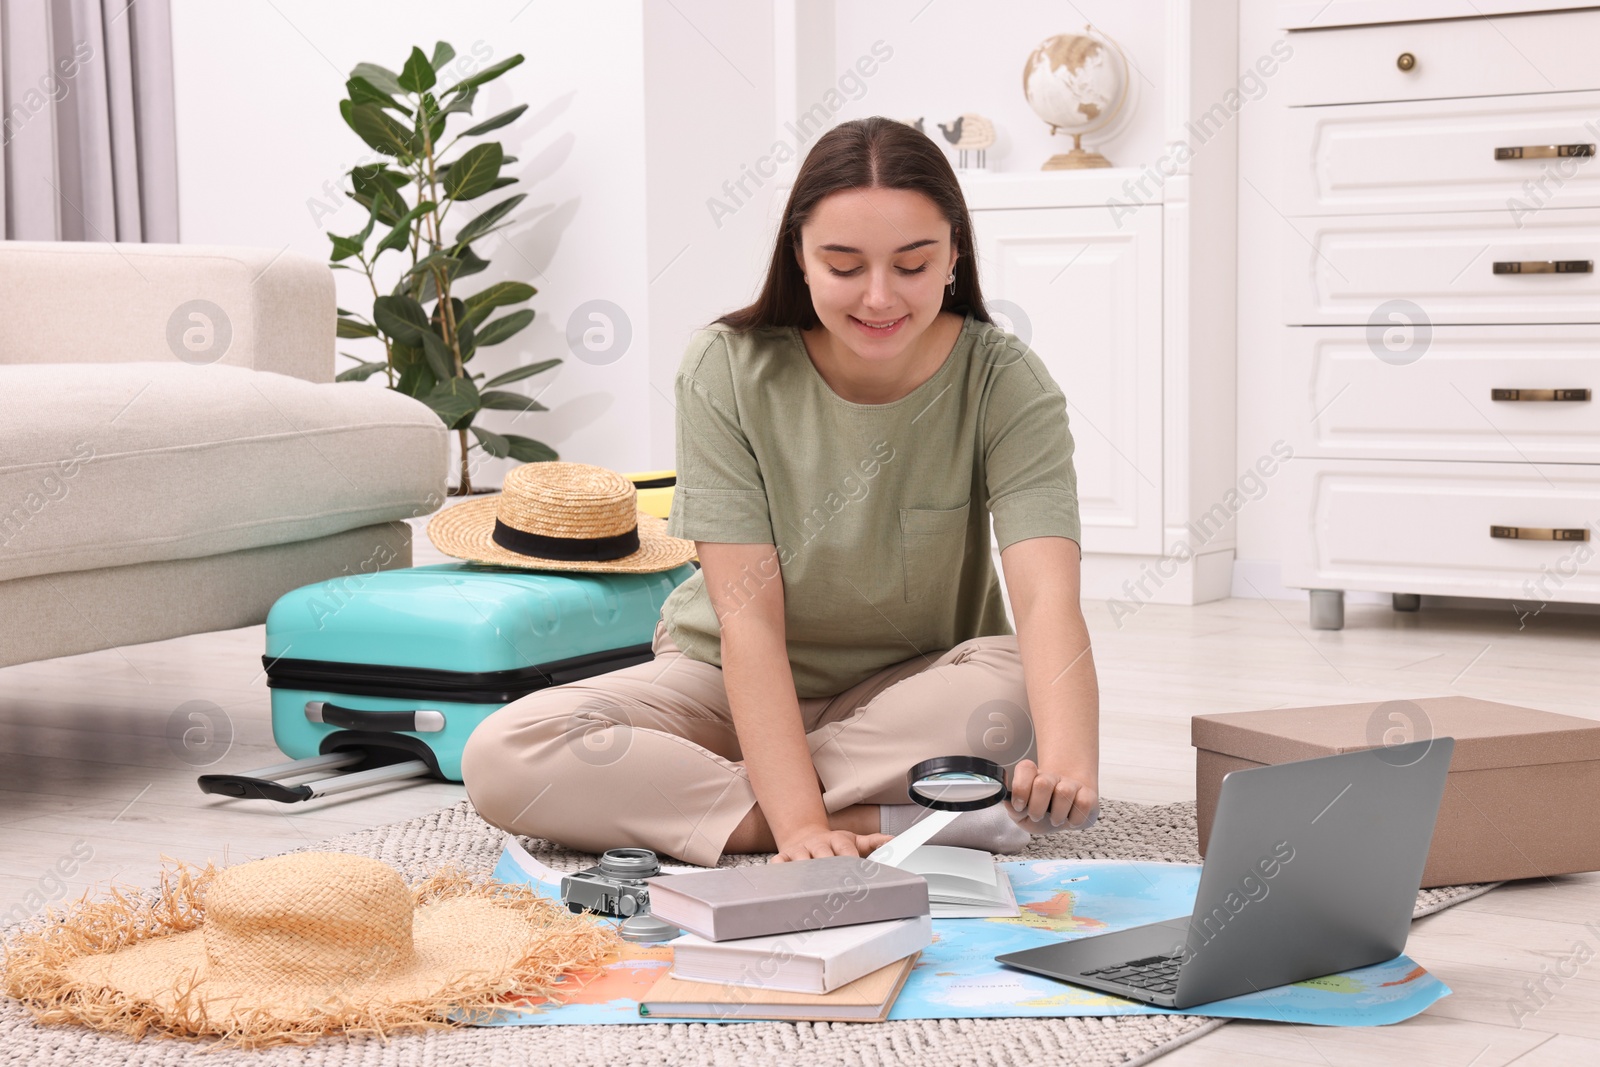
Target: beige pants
x=647, y=756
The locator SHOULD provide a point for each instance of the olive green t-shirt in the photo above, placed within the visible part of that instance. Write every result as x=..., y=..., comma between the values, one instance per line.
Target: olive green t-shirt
x=879, y=512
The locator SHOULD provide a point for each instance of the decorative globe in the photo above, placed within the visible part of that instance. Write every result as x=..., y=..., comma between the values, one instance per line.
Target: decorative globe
x=1078, y=84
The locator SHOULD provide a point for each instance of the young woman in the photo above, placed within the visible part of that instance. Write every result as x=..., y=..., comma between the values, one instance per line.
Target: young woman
x=843, y=444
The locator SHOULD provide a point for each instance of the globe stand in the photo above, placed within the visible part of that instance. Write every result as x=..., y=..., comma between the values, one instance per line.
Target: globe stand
x=1077, y=159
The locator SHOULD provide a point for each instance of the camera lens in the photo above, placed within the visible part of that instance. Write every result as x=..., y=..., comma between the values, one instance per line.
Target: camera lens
x=630, y=862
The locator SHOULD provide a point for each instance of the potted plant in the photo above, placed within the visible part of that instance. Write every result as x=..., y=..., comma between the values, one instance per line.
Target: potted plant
x=429, y=328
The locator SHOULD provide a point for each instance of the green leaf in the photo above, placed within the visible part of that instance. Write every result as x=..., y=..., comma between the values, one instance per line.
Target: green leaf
x=429, y=108
x=402, y=318
x=479, y=305
x=470, y=262
x=457, y=309
x=374, y=182
x=381, y=77
x=467, y=262
x=500, y=294
x=343, y=247
x=486, y=74
x=440, y=359
x=505, y=118
x=462, y=103
x=425, y=266
x=417, y=76
x=366, y=231
x=505, y=161
x=473, y=173
x=485, y=222
x=416, y=379
x=354, y=328
x=528, y=450
x=503, y=400
x=378, y=128
x=360, y=372
x=492, y=443
x=400, y=236
x=371, y=175
x=472, y=320
x=520, y=373
x=362, y=91
x=442, y=54
x=503, y=327
x=387, y=204
x=455, y=400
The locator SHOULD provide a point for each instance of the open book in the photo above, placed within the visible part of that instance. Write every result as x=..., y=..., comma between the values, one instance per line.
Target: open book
x=962, y=882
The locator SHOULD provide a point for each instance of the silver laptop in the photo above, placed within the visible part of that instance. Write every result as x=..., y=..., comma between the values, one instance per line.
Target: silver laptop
x=1313, y=868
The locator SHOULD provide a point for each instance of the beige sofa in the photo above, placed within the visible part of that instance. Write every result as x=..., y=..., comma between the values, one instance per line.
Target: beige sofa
x=174, y=453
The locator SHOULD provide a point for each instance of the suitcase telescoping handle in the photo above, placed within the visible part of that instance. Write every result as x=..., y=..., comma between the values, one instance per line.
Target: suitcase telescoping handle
x=420, y=720
x=276, y=782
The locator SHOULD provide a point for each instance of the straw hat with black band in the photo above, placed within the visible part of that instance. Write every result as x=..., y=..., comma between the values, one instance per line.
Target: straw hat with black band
x=286, y=949
x=560, y=516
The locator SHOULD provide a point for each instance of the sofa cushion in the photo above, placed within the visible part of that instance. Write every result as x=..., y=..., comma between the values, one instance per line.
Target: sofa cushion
x=105, y=464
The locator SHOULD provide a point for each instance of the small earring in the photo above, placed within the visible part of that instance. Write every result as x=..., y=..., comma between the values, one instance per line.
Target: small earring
x=952, y=281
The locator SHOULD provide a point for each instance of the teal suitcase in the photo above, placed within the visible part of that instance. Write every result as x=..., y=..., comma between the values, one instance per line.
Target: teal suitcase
x=383, y=676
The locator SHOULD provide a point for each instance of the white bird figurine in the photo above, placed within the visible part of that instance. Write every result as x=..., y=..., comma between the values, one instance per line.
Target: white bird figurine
x=969, y=133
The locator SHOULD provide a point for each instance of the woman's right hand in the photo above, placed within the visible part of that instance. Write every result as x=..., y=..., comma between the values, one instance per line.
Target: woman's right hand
x=821, y=841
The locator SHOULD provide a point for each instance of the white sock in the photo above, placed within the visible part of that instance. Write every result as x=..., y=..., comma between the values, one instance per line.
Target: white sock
x=990, y=829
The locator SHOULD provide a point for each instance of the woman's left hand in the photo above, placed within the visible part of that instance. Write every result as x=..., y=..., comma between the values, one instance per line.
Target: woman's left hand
x=1047, y=802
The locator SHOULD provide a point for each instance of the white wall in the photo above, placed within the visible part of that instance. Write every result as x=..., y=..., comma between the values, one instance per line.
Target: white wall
x=1264, y=526
x=710, y=70
x=262, y=152
x=642, y=115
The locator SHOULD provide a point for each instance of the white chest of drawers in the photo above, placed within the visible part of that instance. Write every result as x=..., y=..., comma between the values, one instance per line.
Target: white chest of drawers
x=1441, y=309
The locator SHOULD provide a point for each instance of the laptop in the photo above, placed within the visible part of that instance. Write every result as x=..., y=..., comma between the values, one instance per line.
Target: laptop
x=1313, y=868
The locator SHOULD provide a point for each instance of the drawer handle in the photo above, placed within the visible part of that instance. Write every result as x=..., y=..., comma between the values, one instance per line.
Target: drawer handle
x=1539, y=533
x=1544, y=266
x=1538, y=394
x=1406, y=61
x=1544, y=151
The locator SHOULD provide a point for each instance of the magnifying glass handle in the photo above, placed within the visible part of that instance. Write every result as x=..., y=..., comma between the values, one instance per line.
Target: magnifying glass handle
x=908, y=841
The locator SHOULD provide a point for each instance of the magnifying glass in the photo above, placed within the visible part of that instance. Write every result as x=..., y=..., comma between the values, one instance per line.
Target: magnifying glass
x=948, y=785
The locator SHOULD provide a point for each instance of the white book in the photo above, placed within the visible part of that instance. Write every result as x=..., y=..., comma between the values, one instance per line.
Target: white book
x=962, y=882
x=804, y=961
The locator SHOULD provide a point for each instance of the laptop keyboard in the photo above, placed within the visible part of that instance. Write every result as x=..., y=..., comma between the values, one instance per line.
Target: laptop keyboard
x=1154, y=974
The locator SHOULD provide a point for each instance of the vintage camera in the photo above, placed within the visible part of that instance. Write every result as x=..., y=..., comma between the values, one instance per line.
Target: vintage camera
x=615, y=886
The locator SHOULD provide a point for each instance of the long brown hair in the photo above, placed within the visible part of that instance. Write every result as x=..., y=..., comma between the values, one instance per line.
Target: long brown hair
x=867, y=153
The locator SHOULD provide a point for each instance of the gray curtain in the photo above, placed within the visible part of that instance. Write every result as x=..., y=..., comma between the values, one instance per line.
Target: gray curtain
x=90, y=147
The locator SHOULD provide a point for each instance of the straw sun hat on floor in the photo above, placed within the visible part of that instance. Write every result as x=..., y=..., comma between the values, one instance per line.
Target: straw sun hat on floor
x=289, y=948
x=560, y=517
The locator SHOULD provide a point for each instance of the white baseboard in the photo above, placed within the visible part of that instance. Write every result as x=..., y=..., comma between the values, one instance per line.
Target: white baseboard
x=1134, y=580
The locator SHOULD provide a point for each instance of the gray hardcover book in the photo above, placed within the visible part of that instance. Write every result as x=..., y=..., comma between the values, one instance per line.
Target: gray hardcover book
x=776, y=898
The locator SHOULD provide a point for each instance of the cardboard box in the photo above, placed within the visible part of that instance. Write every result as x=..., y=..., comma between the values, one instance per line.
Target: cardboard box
x=1519, y=803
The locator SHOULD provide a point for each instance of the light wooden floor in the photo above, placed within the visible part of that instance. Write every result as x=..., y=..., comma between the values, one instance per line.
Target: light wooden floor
x=89, y=767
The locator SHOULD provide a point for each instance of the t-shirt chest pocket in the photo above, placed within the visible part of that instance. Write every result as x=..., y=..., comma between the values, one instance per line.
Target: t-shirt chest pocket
x=934, y=544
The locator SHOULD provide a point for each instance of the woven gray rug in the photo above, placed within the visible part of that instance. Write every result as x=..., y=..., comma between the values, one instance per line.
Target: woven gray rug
x=455, y=835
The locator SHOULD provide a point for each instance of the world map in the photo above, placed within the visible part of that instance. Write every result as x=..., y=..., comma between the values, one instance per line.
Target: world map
x=957, y=976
